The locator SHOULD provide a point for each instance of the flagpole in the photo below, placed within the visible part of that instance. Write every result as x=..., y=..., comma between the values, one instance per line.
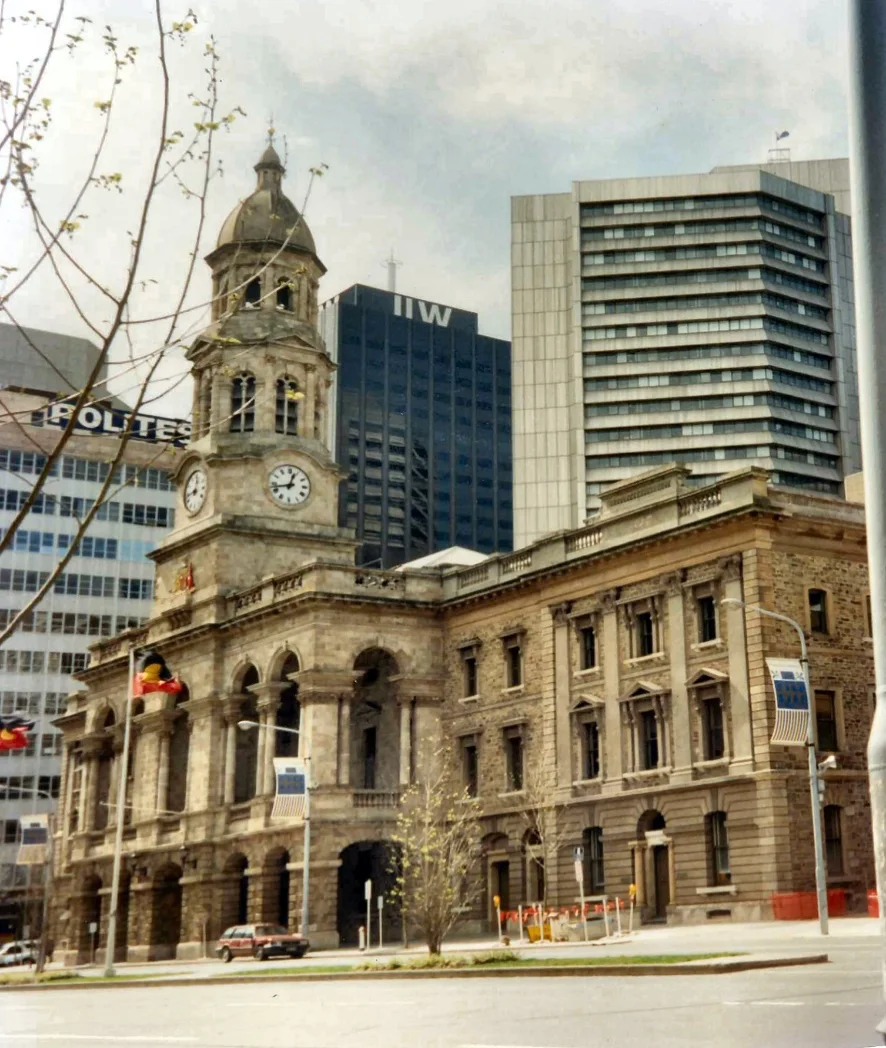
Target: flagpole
x=306, y=858
x=110, y=948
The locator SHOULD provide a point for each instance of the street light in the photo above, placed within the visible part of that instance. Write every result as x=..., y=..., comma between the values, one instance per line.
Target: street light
x=248, y=725
x=814, y=781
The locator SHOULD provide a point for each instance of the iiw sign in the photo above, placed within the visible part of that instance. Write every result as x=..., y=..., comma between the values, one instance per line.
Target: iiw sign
x=429, y=312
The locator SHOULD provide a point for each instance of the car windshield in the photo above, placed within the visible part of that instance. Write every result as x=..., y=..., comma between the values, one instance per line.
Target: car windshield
x=270, y=929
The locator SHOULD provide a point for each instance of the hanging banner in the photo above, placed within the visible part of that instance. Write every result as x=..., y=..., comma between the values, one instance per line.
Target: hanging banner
x=292, y=784
x=154, y=675
x=791, y=702
x=34, y=849
x=14, y=731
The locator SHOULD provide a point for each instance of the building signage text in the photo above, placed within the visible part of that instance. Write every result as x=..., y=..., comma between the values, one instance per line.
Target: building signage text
x=95, y=419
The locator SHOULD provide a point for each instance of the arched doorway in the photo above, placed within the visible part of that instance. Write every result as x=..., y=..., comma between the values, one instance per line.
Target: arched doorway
x=497, y=876
x=362, y=862
x=88, y=941
x=235, y=895
x=375, y=723
x=652, y=865
x=166, y=912
x=246, y=750
x=276, y=893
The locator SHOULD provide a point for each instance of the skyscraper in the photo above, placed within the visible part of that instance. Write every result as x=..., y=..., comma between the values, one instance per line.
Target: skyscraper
x=705, y=319
x=422, y=423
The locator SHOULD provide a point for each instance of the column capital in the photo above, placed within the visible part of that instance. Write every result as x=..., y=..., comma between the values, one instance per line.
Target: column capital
x=160, y=722
x=730, y=568
x=92, y=745
x=609, y=600
x=324, y=683
x=268, y=695
x=560, y=613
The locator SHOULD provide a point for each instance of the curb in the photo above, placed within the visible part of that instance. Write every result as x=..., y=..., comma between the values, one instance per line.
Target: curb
x=530, y=971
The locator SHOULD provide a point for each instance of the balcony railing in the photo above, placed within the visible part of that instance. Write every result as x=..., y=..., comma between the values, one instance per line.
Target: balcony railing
x=376, y=798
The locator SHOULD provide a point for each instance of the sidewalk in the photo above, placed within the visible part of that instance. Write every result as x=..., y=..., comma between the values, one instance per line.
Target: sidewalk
x=763, y=939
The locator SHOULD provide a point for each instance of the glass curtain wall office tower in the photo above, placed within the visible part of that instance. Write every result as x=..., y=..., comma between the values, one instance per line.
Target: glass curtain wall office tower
x=703, y=319
x=422, y=423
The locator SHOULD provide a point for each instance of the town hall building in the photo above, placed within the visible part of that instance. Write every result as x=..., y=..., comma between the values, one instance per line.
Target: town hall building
x=595, y=673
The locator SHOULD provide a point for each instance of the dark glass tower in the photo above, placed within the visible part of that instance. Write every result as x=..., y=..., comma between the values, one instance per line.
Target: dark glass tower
x=422, y=422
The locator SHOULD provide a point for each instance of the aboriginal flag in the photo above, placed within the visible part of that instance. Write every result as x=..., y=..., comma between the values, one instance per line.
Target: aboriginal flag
x=153, y=675
x=14, y=731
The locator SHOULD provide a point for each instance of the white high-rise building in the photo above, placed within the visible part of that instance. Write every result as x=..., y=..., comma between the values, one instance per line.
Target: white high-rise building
x=106, y=587
x=705, y=319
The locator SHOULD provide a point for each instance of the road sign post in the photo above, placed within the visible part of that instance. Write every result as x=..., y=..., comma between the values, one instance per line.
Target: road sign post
x=578, y=856
x=380, y=903
x=93, y=931
x=367, y=894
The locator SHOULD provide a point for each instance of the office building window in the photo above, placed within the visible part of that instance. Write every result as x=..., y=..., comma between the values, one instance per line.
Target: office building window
x=593, y=843
x=590, y=738
x=588, y=647
x=718, y=849
x=513, y=651
x=818, y=611
x=826, y=721
x=706, y=612
x=644, y=633
x=712, y=721
x=514, y=758
x=648, y=740
x=833, y=840
x=470, y=676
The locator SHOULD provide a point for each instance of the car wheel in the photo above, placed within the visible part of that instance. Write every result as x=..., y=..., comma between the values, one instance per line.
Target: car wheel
x=259, y=954
x=226, y=955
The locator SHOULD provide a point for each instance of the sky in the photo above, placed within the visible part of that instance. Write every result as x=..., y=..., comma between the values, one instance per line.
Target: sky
x=431, y=116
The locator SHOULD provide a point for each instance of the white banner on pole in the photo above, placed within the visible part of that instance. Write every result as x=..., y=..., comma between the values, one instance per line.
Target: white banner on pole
x=791, y=702
x=292, y=784
x=34, y=847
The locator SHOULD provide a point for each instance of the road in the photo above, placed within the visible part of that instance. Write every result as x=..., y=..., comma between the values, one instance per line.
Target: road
x=825, y=1006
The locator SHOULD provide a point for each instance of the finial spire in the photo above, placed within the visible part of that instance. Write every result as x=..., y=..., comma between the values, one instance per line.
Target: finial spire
x=272, y=131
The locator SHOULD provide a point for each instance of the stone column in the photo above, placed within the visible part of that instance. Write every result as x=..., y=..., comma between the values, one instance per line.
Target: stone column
x=612, y=720
x=310, y=401
x=344, y=741
x=268, y=696
x=681, y=720
x=562, y=679
x=639, y=850
x=116, y=772
x=90, y=755
x=204, y=775
x=428, y=735
x=739, y=684
x=163, y=736
x=406, y=710
x=232, y=714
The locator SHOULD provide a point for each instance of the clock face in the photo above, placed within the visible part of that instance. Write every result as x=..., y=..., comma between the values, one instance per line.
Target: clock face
x=195, y=490
x=289, y=485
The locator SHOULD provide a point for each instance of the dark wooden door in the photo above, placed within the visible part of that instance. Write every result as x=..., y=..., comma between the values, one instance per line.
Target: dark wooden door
x=662, y=880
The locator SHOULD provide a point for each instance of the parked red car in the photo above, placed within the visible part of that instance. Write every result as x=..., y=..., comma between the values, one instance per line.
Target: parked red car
x=260, y=941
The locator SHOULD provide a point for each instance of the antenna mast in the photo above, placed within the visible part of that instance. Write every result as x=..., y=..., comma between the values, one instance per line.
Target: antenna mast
x=390, y=264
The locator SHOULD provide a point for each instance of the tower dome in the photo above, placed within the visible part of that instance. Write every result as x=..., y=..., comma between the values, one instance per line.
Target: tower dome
x=267, y=216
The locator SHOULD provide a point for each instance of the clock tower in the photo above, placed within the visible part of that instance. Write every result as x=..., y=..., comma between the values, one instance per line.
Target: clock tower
x=258, y=487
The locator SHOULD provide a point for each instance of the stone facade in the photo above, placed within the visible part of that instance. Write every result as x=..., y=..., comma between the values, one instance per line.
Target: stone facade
x=593, y=683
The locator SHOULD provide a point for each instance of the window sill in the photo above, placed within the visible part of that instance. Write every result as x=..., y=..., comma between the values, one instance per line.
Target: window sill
x=508, y=794
x=639, y=659
x=589, y=672
x=468, y=700
x=716, y=762
x=583, y=783
x=647, y=773
x=705, y=645
x=720, y=889
x=516, y=689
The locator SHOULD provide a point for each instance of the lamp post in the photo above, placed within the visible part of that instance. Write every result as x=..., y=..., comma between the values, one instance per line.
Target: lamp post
x=814, y=781
x=248, y=725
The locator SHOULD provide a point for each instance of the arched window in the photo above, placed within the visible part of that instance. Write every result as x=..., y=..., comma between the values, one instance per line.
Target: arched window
x=288, y=397
x=284, y=295
x=179, y=756
x=253, y=293
x=205, y=403
x=243, y=403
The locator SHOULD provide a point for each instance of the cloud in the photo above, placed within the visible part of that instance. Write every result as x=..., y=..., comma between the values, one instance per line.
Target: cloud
x=431, y=116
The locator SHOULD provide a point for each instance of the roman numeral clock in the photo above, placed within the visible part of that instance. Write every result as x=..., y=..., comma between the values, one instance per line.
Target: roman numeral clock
x=289, y=485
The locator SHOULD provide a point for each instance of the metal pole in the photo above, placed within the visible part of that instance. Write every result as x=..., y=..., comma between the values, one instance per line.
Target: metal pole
x=821, y=884
x=306, y=858
x=47, y=891
x=867, y=150
x=121, y=814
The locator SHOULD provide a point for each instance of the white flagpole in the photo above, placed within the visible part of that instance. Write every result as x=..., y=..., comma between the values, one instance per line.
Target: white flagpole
x=306, y=858
x=121, y=812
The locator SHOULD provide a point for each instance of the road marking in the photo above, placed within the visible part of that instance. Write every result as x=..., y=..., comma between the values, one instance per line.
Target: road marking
x=297, y=1003
x=91, y=1038
x=765, y=1004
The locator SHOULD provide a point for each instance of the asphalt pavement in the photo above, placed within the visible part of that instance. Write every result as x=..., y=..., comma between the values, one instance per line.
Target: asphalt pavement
x=824, y=1006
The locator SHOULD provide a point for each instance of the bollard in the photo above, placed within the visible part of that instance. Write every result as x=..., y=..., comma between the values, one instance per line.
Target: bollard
x=362, y=937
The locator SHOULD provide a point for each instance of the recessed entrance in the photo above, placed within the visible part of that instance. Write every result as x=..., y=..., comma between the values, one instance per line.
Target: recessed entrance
x=362, y=862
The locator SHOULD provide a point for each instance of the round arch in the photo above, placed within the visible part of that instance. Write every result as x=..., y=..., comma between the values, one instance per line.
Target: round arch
x=235, y=891
x=375, y=722
x=166, y=911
